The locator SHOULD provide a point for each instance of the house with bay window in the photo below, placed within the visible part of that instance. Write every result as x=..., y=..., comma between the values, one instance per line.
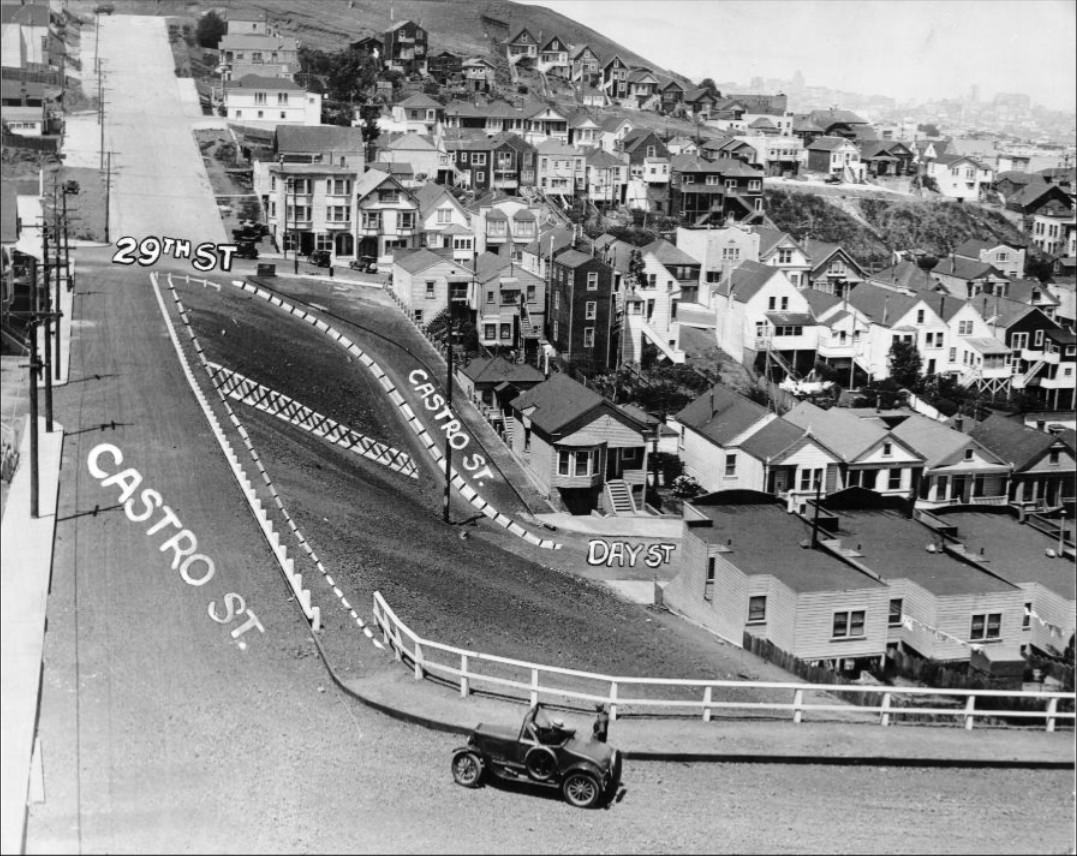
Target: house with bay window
x=508, y=304
x=387, y=215
x=833, y=269
x=561, y=168
x=582, y=450
x=270, y=101
x=1044, y=469
x=779, y=249
x=444, y=222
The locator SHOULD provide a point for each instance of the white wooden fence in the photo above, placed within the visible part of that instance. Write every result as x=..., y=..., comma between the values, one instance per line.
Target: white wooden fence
x=467, y=668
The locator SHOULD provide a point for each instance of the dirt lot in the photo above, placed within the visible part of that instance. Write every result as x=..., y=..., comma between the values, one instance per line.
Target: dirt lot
x=378, y=531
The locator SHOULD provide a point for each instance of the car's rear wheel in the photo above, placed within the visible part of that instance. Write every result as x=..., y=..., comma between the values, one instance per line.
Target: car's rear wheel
x=581, y=790
x=467, y=769
x=541, y=764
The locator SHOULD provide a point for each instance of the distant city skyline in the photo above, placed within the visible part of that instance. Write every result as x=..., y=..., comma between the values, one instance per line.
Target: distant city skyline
x=918, y=50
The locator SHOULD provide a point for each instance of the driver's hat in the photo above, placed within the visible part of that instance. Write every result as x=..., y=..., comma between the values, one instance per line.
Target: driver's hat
x=557, y=723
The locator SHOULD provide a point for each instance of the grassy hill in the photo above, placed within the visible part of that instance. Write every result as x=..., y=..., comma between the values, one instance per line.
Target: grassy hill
x=460, y=26
x=934, y=226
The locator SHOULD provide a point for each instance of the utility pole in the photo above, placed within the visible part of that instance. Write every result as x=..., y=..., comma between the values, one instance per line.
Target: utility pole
x=46, y=312
x=295, y=227
x=35, y=367
x=108, y=193
x=59, y=248
x=815, y=519
x=448, y=436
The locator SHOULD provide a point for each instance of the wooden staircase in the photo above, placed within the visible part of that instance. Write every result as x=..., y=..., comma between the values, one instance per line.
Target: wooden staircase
x=619, y=496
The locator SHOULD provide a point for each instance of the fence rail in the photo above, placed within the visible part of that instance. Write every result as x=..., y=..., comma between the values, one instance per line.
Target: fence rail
x=468, y=668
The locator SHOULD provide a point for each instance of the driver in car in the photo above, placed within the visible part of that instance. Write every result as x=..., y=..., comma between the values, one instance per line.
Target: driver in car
x=546, y=729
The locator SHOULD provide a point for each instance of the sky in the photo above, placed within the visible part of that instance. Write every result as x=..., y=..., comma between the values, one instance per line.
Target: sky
x=908, y=49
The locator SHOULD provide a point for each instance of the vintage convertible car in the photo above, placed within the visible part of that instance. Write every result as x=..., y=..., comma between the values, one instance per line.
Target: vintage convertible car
x=542, y=751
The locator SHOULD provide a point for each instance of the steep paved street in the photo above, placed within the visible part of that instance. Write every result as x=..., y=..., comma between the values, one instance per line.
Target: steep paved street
x=170, y=725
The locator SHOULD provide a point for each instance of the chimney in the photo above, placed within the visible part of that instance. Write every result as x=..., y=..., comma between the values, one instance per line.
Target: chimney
x=959, y=422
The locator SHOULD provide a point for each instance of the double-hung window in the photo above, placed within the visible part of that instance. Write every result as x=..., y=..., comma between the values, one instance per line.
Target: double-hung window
x=848, y=625
x=986, y=626
x=757, y=609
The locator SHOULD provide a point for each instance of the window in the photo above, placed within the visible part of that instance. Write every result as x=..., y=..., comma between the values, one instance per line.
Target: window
x=964, y=328
x=968, y=454
x=444, y=216
x=772, y=303
x=371, y=220
x=811, y=479
x=339, y=186
x=323, y=242
x=708, y=584
x=506, y=332
x=1053, y=456
x=259, y=98
x=479, y=159
x=1038, y=339
x=730, y=465
x=888, y=449
x=588, y=337
x=986, y=626
x=953, y=355
x=755, y=184
x=574, y=463
x=894, y=619
x=592, y=280
x=261, y=113
x=848, y=625
x=406, y=220
x=430, y=287
x=894, y=482
x=1026, y=620
x=338, y=214
x=785, y=257
x=480, y=177
x=418, y=316
x=590, y=310
x=282, y=99
x=711, y=179
x=489, y=332
x=919, y=316
x=785, y=304
x=757, y=609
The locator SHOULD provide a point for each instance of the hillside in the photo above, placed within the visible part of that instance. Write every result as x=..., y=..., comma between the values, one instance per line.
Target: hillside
x=933, y=226
x=460, y=26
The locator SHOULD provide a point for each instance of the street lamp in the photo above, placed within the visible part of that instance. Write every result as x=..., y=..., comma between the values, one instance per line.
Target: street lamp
x=448, y=404
x=1061, y=531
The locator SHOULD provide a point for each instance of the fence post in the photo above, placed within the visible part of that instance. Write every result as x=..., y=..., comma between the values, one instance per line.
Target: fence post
x=418, y=660
x=970, y=706
x=613, y=700
x=465, y=686
x=886, y=709
x=534, y=687
x=1052, y=709
x=707, y=704
x=798, y=702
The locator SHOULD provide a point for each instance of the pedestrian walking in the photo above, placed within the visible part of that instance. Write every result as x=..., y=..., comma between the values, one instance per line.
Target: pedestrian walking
x=602, y=723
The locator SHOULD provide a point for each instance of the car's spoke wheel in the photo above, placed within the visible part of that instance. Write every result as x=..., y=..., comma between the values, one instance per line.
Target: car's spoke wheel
x=581, y=790
x=467, y=769
x=541, y=764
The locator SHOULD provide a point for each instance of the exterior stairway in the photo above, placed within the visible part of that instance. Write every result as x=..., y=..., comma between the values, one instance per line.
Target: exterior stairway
x=620, y=497
x=1026, y=378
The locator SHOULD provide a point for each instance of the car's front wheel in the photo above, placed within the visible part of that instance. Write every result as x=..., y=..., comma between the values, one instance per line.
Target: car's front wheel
x=467, y=769
x=581, y=790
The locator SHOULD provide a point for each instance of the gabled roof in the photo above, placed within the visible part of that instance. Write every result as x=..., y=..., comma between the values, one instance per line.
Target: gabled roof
x=562, y=46
x=499, y=370
x=1034, y=191
x=612, y=123
x=840, y=431
x=667, y=253
x=938, y=444
x=558, y=237
x=552, y=146
x=572, y=258
x=416, y=261
x=962, y=267
x=577, y=52
x=829, y=144
x=559, y=402
x=905, y=274
x=411, y=141
x=721, y=414
x=773, y=439
x=304, y=139
x=882, y=305
x=1002, y=311
x=746, y=280
x=819, y=252
x=805, y=124
x=826, y=118
x=419, y=101
x=770, y=239
x=431, y=195
x=525, y=35
x=1022, y=290
x=819, y=301
x=972, y=248
x=400, y=24
x=491, y=266
x=601, y=159
x=698, y=94
x=371, y=180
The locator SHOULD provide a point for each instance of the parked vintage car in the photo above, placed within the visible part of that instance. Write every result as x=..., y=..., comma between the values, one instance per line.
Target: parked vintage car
x=320, y=258
x=543, y=752
x=365, y=264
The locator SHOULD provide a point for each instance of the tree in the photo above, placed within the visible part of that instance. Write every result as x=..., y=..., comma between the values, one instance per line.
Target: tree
x=905, y=364
x=635, y=266
x=210, y=29
x=928, y=129
x=370, y=129
x=708, y=84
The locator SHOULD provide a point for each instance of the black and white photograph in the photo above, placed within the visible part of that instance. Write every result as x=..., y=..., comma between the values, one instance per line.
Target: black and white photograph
x=538, y=426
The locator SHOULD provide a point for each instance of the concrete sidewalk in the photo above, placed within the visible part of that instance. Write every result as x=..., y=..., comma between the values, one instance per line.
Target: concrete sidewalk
x=845, y=737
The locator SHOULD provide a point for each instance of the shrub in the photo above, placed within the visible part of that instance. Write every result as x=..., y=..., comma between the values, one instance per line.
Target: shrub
x=686, y=487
